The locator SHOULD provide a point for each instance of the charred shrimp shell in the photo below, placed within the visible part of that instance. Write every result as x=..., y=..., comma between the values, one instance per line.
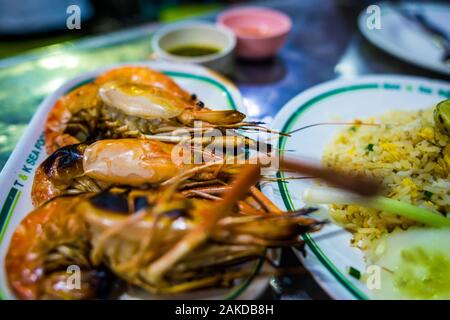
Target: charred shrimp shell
x=132, y=237
x=48, y=241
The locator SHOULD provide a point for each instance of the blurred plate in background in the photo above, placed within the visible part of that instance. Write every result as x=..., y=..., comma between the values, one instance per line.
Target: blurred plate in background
x=404, y=38
x=33, y=16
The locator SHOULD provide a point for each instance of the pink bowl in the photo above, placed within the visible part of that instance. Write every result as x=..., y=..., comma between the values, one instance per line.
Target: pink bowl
x=260, y=32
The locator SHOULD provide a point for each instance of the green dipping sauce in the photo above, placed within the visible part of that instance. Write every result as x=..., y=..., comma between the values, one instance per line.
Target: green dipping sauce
x=193, y=50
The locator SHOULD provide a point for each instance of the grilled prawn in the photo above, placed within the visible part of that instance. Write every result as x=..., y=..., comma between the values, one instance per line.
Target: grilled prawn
x=131, y=102
x=132, y=162
x=136, y=235
x=47, y=241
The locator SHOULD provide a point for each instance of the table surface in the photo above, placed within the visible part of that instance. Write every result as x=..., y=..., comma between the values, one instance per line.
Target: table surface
x=324, y=44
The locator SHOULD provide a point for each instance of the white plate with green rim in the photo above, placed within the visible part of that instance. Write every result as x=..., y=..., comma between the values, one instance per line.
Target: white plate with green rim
x=406, y=40
x=329, y=254
x=17, y=176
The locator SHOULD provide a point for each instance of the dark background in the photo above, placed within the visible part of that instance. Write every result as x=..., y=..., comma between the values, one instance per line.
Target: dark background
x=111, y=15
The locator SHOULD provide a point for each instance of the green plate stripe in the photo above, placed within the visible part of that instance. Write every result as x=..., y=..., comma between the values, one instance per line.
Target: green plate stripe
x=444, y=93
x=7, y=206
x=325, y=261
x=321, y=255
x=206, y=79
x=181, y=75
x=233, y=294
x=17, y=196
x=82, y=83
x=309, y=103
x=285, y=192
x=215, y=83
x=9, y=215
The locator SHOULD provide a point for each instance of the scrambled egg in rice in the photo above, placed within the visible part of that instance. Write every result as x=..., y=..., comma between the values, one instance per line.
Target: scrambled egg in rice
x=408, y=154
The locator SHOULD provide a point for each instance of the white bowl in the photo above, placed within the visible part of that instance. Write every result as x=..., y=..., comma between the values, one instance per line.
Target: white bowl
x=196, y=33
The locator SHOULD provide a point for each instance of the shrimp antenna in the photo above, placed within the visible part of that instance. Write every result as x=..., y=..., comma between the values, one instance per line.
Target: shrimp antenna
x=333, y=123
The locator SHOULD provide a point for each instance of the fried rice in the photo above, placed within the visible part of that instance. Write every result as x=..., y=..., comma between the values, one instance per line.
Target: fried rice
x=407, y=154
